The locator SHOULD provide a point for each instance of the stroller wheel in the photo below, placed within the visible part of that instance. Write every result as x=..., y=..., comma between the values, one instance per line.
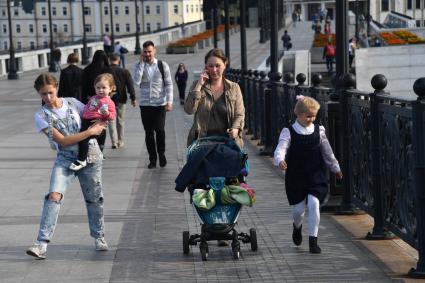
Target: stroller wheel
x=186, y=242
x=203, y=247
x=253, y=239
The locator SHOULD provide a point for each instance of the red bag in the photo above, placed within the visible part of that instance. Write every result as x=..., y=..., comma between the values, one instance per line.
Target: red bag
x=330, y=50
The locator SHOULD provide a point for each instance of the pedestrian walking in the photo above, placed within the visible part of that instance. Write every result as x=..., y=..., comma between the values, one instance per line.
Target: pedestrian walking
x=327, y=27
x=99, y=65
x=60, y=121
x=286, y=39
x=70, y=78
x=294, y=18
x=124, y=84
x=156, y=98
x=107, y=44
x=181, y=79
x=100, y=107
x=329, y=54
x=216, y=102
x=56, y=59
x=121, y=51
x=352, y=46
x=303, y=153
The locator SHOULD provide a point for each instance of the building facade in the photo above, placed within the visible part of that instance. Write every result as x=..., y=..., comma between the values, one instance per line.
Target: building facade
x=30, y=29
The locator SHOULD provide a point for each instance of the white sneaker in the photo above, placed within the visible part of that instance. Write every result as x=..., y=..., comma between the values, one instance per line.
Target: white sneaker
x=38, y=250
x=101, y=244
x=77, y=165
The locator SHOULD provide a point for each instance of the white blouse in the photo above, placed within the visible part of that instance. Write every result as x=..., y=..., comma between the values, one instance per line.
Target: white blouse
x=325, y=147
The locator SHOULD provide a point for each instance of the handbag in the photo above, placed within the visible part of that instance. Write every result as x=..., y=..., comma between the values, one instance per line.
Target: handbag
x=123, y=50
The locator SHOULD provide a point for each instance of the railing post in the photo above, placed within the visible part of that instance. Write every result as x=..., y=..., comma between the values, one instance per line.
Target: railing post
x=288, y=78
x=275, y=83
x=418, y=119
x=255, y=104
x=346, y=206
x=250, y=112
x=268, y=144
x=379, y=82
x=263, y=125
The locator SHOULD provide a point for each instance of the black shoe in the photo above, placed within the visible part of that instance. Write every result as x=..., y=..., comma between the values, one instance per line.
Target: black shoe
x=314, y=248
x=162, y=161
x=152, y=165
x=297, y=237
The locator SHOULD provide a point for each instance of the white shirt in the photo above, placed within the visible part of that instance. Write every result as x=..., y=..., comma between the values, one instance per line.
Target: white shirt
x=325, y=147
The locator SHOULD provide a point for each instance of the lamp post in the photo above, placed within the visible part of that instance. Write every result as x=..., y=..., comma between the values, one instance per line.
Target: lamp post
x=12, y=75
x=112, y=25
x=85, y=55
x=274, y=35
x=137, y=49
x=242, y=9
x=226, y=32
x=143, y=17
x=214, y=21
x=51, y=63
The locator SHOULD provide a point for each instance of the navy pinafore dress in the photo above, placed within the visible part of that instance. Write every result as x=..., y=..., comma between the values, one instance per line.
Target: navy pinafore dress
x=306, y=173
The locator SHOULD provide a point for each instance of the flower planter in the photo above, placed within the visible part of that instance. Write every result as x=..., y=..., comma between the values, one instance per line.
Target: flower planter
x=180, y=49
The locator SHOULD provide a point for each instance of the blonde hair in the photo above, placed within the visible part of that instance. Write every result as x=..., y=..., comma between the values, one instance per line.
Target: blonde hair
x=305, y=105
x=109, y=79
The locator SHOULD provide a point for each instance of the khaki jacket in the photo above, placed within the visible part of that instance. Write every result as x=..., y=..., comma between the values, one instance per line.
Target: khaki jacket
x=200, y=104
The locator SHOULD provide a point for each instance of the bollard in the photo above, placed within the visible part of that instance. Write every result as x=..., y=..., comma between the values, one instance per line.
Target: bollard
x=418, y=119
x=263, y=125
x=255, y=105
x=274, y=85
x=250, y=112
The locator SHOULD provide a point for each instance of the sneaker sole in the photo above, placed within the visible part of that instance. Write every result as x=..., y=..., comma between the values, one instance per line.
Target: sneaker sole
x=31, y=253
x=102, y=249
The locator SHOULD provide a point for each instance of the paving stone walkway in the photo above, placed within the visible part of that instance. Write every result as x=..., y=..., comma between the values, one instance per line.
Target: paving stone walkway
x=145, y=217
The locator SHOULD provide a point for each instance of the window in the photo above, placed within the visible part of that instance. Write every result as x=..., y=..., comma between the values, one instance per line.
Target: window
x=44, y=27
x=87, y=27
x=127, y=10
x=384, y=5
x=409, y=4
x=16, y=12
x=53, y=11
x=106, y=27
x=64, y=11
x=138, y=27
x=31, y=28
x=117, y=27
x=19, y=45
x=3, y=12
x=55, y=28
x=176, y=23
x=158, y=25
x=45, y=44
x=191, y=8
x=116, y=10
x=5, y=45
x=4, y=29
x=105, y=10
x=148, y=27
x=148, y=9
x=187, y=8
x=127, y=27
x=65, y=28
x=197, y=8
x=158, y=9
x=32, y=45
x=418, y=23
x=43, y=11
x=418, y=4
x=176, y=9
x=87, y=11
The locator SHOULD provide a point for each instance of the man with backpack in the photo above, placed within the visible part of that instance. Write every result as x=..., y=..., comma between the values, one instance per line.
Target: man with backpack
x=329, y=55
x=156, y=98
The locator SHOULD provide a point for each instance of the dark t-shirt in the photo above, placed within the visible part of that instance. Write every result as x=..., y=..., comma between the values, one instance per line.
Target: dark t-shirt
x=217, y=125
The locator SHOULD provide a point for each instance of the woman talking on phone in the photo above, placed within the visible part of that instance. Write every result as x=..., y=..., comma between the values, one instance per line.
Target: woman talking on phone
x=216, y=102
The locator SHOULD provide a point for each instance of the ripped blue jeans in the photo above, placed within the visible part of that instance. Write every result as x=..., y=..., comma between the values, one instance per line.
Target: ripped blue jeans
x=90, y=178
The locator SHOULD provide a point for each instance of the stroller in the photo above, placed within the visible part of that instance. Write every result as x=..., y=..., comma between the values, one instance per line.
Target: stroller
x=213, y=162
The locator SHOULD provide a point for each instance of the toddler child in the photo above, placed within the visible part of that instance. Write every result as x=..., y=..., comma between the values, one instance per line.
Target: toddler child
x=303, y=153
x=99, y=107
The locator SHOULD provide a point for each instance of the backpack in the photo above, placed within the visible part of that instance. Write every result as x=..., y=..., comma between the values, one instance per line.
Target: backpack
x=161, y=70
x=330, y=50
